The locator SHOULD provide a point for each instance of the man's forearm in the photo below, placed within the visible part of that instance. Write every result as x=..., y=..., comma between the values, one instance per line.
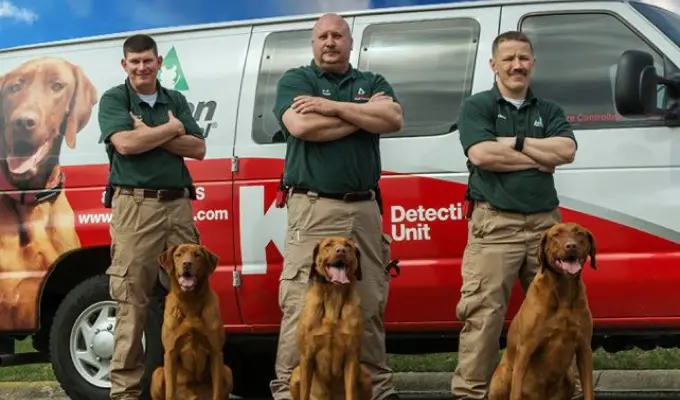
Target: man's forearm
x=552, y=151
x=497, y=157
x=375, y=117
x=319, y=128
x=143, y=139
x=186, y=146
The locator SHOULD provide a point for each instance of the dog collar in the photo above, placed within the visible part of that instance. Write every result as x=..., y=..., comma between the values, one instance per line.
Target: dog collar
x=27, y=197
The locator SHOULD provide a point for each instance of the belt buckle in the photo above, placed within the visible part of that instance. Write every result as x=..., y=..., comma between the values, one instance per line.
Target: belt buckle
x=160, y=194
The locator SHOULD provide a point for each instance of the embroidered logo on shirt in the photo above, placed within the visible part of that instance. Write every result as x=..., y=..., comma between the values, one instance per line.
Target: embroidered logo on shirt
x=501, y=116
x=539, y=122
x=361, y=95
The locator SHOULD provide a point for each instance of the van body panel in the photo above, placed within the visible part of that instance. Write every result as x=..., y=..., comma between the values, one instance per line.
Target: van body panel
x=623, y=185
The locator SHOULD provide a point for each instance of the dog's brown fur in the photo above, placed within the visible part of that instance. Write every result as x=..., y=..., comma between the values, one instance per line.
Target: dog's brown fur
x=42, y=102
x=193, y=334
x=553, y=325
x=330, y=330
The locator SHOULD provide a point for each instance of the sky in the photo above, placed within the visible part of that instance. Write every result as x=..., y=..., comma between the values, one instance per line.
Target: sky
x=24, y=22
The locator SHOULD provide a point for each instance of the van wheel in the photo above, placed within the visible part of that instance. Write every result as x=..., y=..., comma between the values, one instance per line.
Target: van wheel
x=253, y=370
x=81, y=340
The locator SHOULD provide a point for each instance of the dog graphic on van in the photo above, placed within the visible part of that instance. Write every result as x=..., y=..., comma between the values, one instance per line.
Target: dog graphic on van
x=44, y=102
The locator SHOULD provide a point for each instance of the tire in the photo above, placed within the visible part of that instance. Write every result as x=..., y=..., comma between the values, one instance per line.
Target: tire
x=84, y=300
x=253, y=370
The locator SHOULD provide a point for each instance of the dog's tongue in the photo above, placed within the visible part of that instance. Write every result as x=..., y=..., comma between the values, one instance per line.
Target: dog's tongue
x=571, y=267
x=22, y=164
x=186, y=283
x=338, y=275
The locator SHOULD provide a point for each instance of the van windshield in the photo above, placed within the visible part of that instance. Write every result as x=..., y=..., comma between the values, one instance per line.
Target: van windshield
x=667, y=21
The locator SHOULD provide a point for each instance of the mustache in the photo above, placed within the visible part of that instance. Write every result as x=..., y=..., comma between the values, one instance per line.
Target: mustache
x=518, y=72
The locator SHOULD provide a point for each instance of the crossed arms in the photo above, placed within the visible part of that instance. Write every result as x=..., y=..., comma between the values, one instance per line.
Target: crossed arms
x=497, y=154
x=316, y=119
x=180, y=135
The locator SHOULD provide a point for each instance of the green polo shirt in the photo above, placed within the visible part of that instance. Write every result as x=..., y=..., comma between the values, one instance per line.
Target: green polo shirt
x=487, y=115
x=154, y=169
x=345, y=165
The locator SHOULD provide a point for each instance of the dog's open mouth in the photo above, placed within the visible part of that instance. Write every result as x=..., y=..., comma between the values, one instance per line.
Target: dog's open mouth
x=337, y=272
x=24, y=157
x=570, y=265
x=186, y=282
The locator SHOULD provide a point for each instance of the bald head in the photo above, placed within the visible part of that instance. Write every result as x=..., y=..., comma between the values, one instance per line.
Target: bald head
x=332, y=43
x=334, y=20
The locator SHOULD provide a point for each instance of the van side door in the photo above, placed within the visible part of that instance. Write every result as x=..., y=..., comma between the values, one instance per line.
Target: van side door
x=433, y=60
x=260, y=150
x=211, y=91
x=623, y=185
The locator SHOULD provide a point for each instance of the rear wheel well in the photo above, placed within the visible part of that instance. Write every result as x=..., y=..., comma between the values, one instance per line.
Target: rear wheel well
x=72, y=269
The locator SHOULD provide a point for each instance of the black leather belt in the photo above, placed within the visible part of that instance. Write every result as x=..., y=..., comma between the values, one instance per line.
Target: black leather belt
x=158, y=194
x=350, y=197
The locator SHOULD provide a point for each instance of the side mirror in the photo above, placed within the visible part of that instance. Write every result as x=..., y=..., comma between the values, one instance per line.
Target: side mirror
x=635, y=85
x=635, y=88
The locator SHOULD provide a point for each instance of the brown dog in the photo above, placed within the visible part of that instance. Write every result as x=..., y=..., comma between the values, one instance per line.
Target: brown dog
x=43, y=102
x=193, y=334
x=553, y=325
x=330, y=328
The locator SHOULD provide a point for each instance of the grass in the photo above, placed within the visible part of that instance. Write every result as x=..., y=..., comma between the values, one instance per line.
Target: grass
x=629, y=360
x=31, y=372
x=442, y=362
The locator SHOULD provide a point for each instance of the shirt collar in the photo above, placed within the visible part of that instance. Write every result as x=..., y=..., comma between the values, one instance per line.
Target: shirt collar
x=350, y=73
x=530, y=97
x=162, y=98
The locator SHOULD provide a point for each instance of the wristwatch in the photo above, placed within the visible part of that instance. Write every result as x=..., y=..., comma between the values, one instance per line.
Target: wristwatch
x=519, y=143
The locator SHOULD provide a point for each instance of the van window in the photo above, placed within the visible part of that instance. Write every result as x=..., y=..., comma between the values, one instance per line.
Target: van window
x=667, y=21
x=282, y=51
x=429, y=64
x=576, y=58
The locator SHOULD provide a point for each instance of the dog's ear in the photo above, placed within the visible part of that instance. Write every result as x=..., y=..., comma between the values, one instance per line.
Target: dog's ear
x=312, y=272
x=593, y=249
x=542, y=256
x=358, y=273
x=83, y=100
x=210, y=258
x=166, y=259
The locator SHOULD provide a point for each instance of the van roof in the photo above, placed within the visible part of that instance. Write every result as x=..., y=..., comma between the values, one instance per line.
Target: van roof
x=294, y=18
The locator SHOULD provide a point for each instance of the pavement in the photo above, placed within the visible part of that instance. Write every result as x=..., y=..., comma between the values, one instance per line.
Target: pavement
x=610, y=384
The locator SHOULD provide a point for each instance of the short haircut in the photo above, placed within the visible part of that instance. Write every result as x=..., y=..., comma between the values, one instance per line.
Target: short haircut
x=510, y=35
x=138, y=44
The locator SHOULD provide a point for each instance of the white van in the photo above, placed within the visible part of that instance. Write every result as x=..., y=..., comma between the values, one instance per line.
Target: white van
x=624, y=185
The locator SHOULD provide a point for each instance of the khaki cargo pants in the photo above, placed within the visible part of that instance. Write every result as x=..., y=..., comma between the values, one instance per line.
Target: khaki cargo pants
x=310, y=219
x=501, y=247
x=141, y=229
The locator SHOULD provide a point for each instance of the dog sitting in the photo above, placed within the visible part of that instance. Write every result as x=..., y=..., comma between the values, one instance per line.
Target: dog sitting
x=192, y=334
x=553, y=324
x=330, y=329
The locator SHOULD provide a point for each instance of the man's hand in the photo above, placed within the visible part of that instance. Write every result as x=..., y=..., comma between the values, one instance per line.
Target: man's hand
x=138, y=122
x=175, y=124
x=508, y=141
x=318, y=105
x=543, y=168
x=380, y=96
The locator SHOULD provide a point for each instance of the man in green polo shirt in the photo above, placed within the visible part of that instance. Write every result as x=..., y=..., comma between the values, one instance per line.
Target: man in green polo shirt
x=513, y=140
x=332, y=116
x=148, y=130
